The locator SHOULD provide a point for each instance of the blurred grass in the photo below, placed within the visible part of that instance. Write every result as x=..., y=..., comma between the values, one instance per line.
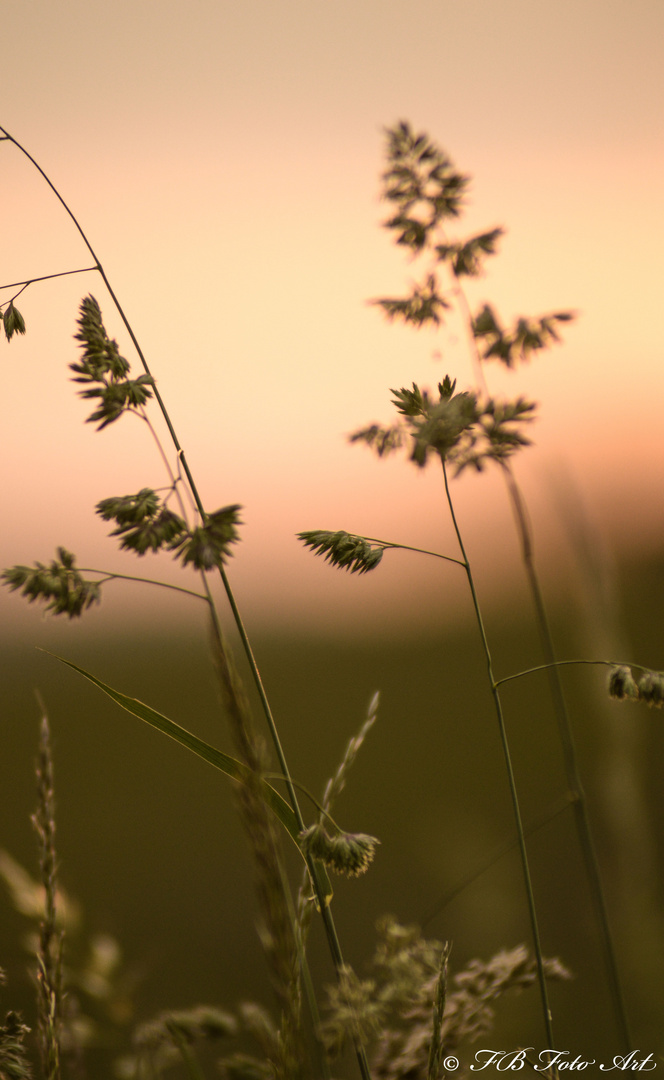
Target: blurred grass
x=149, y=844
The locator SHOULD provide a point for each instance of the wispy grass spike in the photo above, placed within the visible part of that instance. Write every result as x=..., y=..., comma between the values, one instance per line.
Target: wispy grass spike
x=337, y=783
x=49, y=953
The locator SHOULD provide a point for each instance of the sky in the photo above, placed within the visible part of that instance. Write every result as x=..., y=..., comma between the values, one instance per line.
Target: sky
x=224, y=160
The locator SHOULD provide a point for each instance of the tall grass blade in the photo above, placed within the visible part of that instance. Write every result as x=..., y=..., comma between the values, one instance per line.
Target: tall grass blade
x=226, y=764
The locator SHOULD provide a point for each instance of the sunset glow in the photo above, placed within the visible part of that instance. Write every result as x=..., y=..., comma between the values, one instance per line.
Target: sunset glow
x=225, y=162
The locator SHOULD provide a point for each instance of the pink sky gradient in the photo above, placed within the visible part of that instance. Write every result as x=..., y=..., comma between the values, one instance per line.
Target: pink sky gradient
x=224, y=160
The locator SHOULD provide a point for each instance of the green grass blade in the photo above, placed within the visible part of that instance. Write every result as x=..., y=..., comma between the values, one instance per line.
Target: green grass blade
x=229, y=765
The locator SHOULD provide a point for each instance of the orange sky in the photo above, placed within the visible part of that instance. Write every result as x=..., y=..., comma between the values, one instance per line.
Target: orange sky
x=224, y=159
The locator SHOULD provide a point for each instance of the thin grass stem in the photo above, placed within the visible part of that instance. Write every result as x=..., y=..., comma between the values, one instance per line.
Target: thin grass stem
x=321, y=900
x=228, y=677
x=498, y=853
x=98, y=266
x=566, y=663
x=530, y=896
x=182, y=458
x=312, y=798
x=570, y=759
x=46, y=277
x=167, y=465
x=419, y=551
x=106, y=575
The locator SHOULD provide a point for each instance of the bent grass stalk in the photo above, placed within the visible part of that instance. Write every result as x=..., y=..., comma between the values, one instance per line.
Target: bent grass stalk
x=106, y=575
x=568, y=663
x=235, y=701
x=190, y=479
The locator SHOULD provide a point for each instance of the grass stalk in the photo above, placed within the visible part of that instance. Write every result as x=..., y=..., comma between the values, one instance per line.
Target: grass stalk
x=566, y=663
x=44, y=277
x=106, y=575
x=233, y=693
x=570, y=758
x=49, y=956
x=579, y=801
x=530, y=896
x=408, y=547
x=496, y=855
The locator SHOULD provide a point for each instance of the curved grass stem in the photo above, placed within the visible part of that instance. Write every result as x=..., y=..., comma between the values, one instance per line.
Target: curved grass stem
x=185, y=466
x=229, y=676
x=107, y=575
x=567, y=663
x=408, y=547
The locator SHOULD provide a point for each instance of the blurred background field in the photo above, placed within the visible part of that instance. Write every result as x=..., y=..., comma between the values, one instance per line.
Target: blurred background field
x=150, y=847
